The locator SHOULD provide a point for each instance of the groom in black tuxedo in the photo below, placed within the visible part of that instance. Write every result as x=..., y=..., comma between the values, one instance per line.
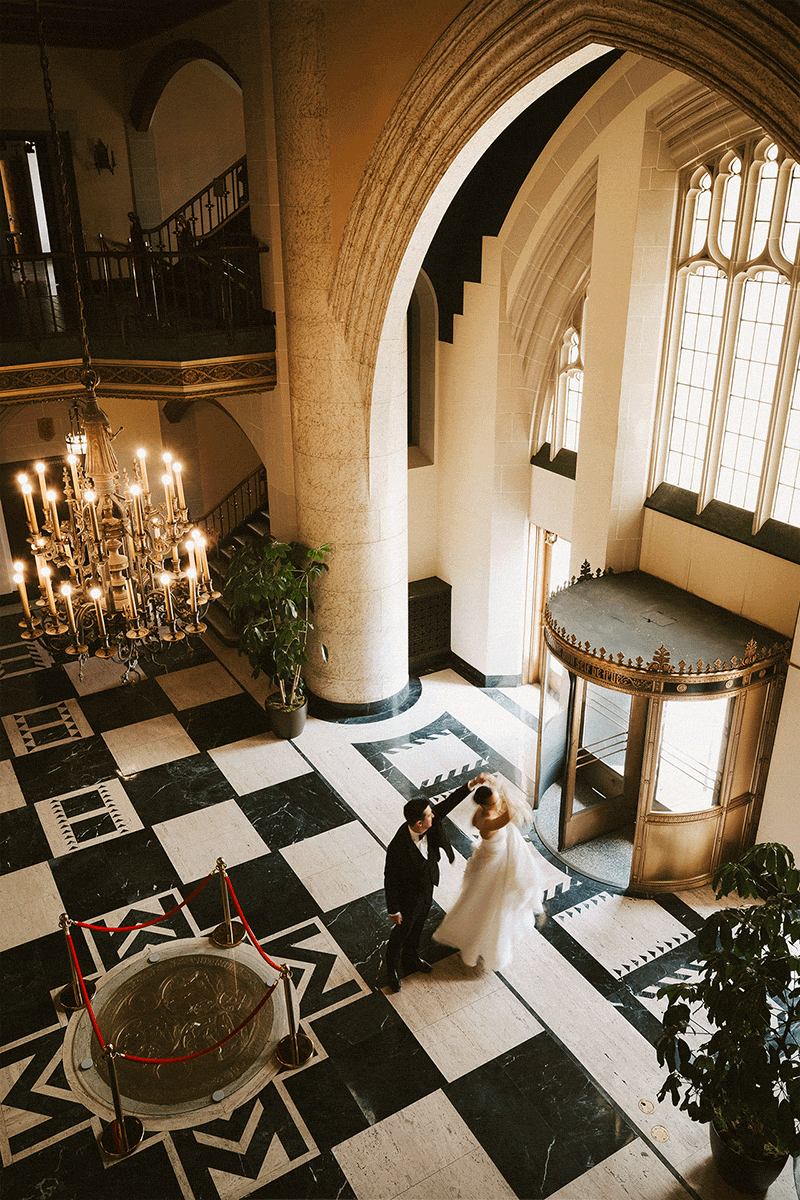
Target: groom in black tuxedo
x=411, y=873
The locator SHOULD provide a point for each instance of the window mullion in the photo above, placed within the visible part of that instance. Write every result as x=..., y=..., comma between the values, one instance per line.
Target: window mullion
x=784, y=386
x=719, y=407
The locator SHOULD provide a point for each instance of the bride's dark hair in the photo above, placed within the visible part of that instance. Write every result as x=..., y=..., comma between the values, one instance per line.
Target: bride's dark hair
x=482, y=795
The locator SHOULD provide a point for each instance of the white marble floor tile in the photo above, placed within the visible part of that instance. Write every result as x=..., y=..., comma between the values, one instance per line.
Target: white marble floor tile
x=23, y=658
x=369, y=794
x=106, y=806
x=339, y=865
x=409, y=1150
x=95, y=675
x=199, y=685
x=31, y=892
x=622, y=933
x=259, y=762
x=195, y=841
x=10, y=792
x=526, y=696
x=149, y=744
x=239, y=667
x=462, y=1028
x=474, y=1175
x=632, y=1173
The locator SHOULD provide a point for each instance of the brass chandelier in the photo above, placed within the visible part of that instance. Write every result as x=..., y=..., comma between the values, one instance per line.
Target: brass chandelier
x=120, y=572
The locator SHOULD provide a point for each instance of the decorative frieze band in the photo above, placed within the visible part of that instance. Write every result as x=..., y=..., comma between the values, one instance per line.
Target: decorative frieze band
x=201, y=378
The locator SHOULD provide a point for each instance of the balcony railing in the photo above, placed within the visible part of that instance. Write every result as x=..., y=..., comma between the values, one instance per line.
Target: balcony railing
x=161, y=293
x=209, y=210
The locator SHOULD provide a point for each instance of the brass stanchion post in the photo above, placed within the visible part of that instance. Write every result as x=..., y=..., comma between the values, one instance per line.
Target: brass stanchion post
x=229, y=933
x=296, y=1048
x=123, y=1134
x=71, y=996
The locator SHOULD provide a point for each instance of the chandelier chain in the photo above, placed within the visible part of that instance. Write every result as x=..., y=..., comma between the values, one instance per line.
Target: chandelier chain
x=89, y=376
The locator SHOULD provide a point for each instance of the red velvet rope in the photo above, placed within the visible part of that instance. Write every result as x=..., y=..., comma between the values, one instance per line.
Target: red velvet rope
x=145, y=924
x=216, y=1046
x=122, y=929
x=83, y=989
x=266, y=957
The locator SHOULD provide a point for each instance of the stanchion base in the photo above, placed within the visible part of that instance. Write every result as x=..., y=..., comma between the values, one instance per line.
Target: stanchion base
x=111, y=1139
x=66, y=997
x=232, y=935
x=294, y=1053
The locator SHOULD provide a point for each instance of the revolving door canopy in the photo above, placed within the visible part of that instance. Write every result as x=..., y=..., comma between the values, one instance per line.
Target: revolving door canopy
x=658, y=713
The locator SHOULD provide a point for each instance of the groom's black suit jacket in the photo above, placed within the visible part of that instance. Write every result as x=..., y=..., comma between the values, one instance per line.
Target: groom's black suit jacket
x=409, y=878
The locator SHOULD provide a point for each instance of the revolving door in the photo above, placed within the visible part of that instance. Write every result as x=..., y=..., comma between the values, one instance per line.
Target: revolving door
x=670, y=744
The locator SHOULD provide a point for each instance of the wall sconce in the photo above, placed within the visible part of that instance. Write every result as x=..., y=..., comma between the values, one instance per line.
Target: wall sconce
x=103, y=157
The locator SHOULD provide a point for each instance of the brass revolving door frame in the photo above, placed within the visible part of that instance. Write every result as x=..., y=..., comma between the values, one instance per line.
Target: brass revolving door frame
x=679, y=846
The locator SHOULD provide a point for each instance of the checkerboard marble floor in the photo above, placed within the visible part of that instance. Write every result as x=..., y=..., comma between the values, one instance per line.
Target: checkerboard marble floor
x=116, y=801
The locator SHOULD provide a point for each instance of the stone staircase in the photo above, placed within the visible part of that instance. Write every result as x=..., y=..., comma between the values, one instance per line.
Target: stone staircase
x=227, y=530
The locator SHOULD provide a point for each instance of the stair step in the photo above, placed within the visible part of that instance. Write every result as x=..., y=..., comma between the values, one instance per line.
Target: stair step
x=217, y=619
x=259, y=527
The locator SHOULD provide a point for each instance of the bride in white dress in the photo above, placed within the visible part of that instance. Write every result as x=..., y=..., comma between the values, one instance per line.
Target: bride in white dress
x=501, y=892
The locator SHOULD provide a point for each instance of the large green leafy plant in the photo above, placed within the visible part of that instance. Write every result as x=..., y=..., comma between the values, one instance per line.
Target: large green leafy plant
x=745, y=1076
x=268, y=591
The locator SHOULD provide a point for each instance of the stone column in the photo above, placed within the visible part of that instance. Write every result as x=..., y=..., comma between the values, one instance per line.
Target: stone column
x=350, y=492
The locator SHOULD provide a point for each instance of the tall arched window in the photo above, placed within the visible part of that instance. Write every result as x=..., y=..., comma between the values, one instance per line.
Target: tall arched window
x=730, y=404
x=566, y=390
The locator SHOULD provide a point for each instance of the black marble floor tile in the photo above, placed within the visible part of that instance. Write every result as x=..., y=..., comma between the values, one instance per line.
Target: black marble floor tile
x=5, y=745
x=74, y=1169
x=29, y=973
x=61, y=769
x=93, y=880
x=585, y=1123
x=190, y=652
x=18, y=693
x=362, y=931
x=325, y=1103
x=221, y=722
x=294, y=810
x=126, y=705
x=526, y=1150
x=271, y=897
x=22, y=840
x=377, y=1056
x=176, y=788
x=320, y=1179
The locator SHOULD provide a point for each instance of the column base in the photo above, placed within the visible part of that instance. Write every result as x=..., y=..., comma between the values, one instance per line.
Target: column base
x=376, y=710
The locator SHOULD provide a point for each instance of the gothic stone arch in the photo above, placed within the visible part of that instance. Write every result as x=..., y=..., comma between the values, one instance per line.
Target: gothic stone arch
x=747, y=50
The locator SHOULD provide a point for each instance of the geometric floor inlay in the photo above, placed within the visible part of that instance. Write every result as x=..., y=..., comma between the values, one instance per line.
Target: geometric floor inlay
x=87, y=816
x=50, y=725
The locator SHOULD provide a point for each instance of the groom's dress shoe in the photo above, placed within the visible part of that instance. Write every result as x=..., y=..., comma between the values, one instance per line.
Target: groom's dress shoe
x=394, y=980
x=419, y=964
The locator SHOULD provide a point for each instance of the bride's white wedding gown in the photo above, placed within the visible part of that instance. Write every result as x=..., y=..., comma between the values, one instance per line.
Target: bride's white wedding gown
x=496, y=908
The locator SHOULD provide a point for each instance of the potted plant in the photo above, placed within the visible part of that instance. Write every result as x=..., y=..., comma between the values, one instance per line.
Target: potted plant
x=268, y=591
x=731, y=1034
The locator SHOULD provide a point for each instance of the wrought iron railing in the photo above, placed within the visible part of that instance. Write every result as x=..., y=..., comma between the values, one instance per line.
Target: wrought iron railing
x=211, y=208
x=166, y=293
x=239, y=504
